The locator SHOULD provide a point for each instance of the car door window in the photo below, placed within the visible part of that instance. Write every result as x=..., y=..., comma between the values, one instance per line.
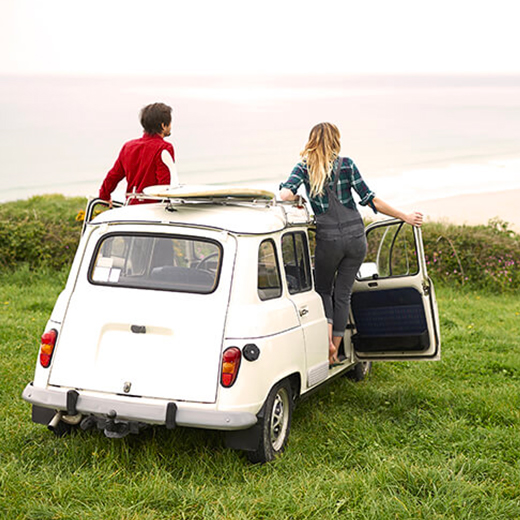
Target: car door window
x=94, y=208
x=269, y=281
x=295, y=252
x=391, y=252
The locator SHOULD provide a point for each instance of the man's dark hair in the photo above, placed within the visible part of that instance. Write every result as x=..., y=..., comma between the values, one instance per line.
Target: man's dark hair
x=154, y=115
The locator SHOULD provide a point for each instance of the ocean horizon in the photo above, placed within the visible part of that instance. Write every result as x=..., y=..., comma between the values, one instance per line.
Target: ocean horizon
x=414, y=138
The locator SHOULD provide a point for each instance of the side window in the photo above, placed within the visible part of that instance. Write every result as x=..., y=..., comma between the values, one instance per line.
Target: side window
x=391, y=251
x=269, y=283
x=312, y=244
x=295, y=251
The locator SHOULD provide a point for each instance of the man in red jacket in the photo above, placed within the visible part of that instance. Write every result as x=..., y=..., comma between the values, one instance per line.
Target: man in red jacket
x=142, y=161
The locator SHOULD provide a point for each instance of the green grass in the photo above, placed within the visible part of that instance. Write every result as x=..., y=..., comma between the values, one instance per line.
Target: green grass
x=425, y=440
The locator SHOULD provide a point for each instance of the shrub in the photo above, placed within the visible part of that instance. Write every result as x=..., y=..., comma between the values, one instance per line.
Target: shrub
x=40, y=232
x=44, y=231
x=482, y=257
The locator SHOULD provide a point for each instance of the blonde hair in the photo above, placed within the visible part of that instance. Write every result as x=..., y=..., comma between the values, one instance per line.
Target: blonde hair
x=319, y=153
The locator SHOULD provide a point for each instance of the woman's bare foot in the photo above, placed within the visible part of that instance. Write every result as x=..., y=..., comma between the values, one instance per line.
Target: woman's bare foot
x=333, y=354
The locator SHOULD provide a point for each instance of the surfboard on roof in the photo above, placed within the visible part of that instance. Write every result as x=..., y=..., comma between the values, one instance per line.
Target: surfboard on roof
x=207, y=192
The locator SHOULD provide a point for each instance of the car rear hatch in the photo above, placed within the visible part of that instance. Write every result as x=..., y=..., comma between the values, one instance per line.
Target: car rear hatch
x=147, y=315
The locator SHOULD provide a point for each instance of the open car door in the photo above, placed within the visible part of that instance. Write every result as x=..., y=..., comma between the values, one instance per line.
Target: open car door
x=393, y=301
x=95, y=207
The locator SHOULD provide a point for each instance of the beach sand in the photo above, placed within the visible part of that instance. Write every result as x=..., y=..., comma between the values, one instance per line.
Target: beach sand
x=472, y=209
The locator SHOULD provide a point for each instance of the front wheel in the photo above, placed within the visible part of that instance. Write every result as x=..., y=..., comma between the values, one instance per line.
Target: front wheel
x=275, y=424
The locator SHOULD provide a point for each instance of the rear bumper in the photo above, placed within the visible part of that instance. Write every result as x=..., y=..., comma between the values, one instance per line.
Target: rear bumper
x=150, y=411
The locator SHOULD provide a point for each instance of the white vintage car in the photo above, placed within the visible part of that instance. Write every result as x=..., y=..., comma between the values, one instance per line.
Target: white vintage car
x=200, y=311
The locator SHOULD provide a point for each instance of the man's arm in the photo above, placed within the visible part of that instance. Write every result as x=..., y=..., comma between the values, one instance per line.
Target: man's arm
x=114, y=176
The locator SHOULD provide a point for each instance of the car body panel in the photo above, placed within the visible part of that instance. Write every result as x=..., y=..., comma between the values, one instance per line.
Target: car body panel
x=97, y=349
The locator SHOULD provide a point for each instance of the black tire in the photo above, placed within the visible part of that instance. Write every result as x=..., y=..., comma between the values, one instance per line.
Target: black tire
x=275, y=424
x=360, y=371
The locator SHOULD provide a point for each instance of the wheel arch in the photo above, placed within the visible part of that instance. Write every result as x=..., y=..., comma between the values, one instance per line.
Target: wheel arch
x=247, y=440
x=295, y=382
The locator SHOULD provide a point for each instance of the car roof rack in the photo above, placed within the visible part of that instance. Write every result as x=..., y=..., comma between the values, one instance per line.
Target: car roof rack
x=295, y=212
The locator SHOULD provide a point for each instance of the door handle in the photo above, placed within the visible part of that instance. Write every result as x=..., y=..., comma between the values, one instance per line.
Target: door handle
x=304, y=311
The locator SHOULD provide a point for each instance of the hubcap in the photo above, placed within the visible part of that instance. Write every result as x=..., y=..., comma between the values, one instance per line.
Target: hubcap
x=279, y=419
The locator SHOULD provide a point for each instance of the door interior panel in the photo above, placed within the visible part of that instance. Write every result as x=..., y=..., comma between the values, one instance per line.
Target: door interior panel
x=390, y=320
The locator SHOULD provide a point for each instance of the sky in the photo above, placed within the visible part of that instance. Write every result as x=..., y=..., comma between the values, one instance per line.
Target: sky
x=151, y=37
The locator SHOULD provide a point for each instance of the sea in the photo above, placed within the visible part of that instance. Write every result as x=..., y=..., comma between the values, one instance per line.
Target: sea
x=413, y=137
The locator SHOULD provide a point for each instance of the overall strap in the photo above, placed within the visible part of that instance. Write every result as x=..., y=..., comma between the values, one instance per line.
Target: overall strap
x=337, y=171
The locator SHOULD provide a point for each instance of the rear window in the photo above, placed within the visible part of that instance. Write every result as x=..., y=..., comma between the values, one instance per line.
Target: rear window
x=171, y=263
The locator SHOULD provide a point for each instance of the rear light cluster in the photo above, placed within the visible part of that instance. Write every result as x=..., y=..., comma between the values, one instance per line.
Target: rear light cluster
x=47, y=347
x=230, y=364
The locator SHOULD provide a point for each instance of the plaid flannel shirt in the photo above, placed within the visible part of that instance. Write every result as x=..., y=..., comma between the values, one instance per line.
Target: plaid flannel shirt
x=349, y=177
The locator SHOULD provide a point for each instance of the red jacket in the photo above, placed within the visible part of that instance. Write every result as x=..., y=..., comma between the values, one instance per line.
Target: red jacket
x=140, y=162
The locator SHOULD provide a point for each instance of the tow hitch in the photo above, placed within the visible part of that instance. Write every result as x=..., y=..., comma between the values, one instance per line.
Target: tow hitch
x=111, y=426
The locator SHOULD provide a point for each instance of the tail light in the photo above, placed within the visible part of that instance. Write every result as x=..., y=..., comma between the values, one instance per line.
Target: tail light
x=230, y=365
x=47, y=347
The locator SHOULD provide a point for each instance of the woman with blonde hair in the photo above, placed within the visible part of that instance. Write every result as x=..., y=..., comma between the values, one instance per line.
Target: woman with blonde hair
x=340, y=232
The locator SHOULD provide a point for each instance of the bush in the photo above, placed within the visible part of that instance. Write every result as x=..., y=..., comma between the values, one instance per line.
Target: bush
x=42, y=231
x=481, y=257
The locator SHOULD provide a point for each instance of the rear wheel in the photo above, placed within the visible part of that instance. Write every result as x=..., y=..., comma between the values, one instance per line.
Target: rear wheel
x=275, y=424
x=360, y=371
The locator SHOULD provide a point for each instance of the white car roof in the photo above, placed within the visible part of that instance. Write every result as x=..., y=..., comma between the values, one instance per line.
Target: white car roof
x=235, y=217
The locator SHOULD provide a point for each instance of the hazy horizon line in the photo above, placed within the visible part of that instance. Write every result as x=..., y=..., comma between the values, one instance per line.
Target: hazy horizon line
x=482, y=74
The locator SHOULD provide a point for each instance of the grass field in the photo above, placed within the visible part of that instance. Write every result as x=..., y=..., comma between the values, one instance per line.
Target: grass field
x=425, y=440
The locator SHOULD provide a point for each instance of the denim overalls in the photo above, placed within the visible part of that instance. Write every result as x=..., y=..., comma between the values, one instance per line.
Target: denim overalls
x=340, y=250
